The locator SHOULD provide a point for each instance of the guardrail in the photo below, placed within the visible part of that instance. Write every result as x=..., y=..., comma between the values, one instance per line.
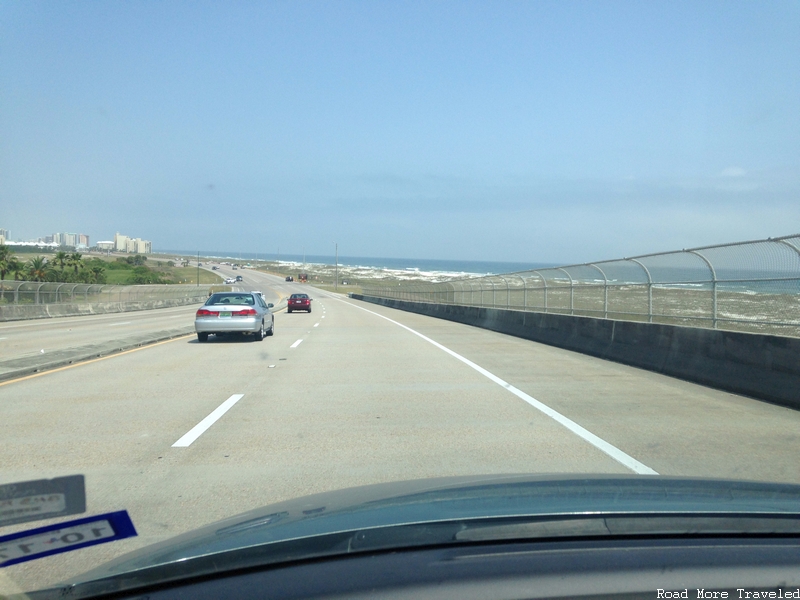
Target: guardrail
x=746, y=286
x=33, y=293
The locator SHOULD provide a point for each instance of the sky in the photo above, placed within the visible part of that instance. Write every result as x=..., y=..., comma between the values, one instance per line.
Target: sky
x=546, y=132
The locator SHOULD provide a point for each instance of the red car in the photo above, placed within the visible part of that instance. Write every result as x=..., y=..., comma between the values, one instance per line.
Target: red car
x=299, y=302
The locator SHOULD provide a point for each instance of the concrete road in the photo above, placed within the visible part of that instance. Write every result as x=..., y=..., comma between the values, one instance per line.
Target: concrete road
x=43, y=343
x=353, y=394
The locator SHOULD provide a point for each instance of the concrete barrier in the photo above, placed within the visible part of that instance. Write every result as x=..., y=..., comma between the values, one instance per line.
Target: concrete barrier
x=19, y=312
x=766, y=367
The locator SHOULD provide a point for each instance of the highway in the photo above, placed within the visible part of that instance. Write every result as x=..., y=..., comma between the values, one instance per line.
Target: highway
x=350, y=394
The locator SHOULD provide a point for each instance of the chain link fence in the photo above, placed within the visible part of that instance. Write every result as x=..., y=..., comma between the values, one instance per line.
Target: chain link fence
x=747, y=286
x=33, y=292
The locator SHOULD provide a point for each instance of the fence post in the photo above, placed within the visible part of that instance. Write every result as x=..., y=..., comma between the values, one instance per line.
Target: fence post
x=571, y=292
x=544, y=281
x=508, y=292
x=713, y=286
x=605, y=290
x=524, y=293
x=649, y=290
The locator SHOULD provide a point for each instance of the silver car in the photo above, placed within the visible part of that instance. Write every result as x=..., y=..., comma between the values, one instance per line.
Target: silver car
x=234, y=312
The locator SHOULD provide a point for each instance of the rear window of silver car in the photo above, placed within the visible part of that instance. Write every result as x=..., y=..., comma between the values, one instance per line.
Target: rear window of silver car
x=231, y=299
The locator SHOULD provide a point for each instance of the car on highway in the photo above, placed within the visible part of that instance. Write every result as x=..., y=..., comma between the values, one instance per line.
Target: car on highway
x=230, y=280
x=298, y=302
x=289, y=278
x=234, y=313
x=239, y=278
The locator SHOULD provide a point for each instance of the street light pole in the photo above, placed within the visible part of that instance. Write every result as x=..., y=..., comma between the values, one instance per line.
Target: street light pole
x=198, y=268
x=336, y=285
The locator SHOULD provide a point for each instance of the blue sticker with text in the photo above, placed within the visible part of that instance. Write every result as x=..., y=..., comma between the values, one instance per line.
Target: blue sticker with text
x=64, y=537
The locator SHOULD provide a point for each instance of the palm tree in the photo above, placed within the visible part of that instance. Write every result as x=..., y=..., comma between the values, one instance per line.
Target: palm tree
x=17, y=268
x=75, y=260
x=98, y=274
x=38, y=269
x=61, y=257
x=5, y=257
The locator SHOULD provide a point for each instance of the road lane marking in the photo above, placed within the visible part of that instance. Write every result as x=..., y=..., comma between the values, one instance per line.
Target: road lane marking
x=199, y=429
x=94, y=360
x=599, y=443
x=123, y=323
x=316, y=324
x=296, y=344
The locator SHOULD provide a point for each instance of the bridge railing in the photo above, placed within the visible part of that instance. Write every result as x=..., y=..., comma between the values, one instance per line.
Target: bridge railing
x=35, y=292
x=746, y=286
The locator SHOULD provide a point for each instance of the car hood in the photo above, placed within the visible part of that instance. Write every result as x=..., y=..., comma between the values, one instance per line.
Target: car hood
x=453, y=510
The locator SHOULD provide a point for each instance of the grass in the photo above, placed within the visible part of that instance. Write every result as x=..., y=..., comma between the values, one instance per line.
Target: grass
x=186, y=274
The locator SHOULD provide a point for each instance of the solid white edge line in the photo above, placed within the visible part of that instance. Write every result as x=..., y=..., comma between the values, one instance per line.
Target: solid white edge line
x=296, y=344
x=198, y=430
x=599, y=443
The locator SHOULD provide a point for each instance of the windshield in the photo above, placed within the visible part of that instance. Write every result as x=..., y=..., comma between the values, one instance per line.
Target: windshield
x=474, y=239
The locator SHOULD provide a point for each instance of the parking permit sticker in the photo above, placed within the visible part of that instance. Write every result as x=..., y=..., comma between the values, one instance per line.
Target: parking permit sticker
x=41, y=499
x=64, y=537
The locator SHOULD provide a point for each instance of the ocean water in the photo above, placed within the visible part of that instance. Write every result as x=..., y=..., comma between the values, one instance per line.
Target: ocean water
x=422, y=264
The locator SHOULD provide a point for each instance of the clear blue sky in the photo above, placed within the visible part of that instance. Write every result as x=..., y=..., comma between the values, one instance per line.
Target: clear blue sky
x=527, y=131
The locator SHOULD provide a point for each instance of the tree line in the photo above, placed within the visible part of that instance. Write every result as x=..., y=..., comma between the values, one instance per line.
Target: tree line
x=66, y=267
x=73, y=267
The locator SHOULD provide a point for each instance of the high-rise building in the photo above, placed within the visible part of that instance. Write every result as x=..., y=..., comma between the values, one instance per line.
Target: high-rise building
x=123, y=243
x=5, y=234
x=143, y=246
x=120, y=242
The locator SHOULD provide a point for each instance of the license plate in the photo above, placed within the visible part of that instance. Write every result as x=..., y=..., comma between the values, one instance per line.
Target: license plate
x=223, y=315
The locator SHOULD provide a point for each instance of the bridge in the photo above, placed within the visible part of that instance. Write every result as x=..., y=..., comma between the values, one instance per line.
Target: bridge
x=181, y=433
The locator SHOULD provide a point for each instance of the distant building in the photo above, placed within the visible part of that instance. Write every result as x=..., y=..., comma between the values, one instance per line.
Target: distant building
x=123, y=243
x=73, y=240
x=143, y=246
x=120, y=242
x=5, y=234
x=106, y=245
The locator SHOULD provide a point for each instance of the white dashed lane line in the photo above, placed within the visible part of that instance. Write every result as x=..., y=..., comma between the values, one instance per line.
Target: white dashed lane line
x=198, y=430
x=316, y=324
x=123, y=323
x=296, y=344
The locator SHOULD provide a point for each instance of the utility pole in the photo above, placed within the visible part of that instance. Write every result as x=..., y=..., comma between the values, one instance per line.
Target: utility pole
x=336, y=285
x=198, y=268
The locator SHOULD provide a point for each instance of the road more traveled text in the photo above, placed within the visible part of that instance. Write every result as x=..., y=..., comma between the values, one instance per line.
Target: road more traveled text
x=740, y=593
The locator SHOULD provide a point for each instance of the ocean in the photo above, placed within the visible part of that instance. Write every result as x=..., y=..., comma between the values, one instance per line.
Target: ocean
x=478, y=267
